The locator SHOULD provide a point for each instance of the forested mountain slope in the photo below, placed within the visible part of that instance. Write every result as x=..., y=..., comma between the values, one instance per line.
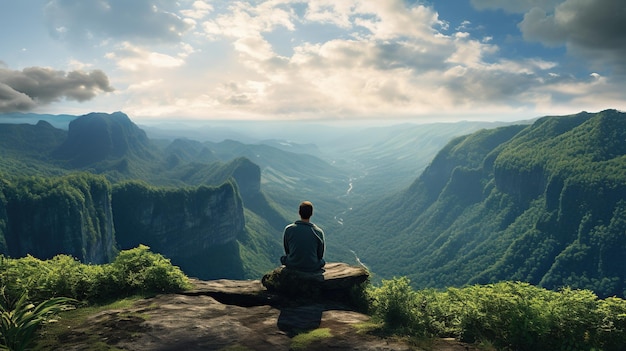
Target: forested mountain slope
x=51, y=204
x=544, y=203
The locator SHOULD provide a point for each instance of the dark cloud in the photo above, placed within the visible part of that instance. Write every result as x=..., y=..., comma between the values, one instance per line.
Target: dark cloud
x=137, y=20
x=34, y=86
x=595, y=30
x=480, y=86
x=516, y=6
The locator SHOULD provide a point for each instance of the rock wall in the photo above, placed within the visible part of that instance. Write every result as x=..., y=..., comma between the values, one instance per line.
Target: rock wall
x=181, y=222
x=71, y=215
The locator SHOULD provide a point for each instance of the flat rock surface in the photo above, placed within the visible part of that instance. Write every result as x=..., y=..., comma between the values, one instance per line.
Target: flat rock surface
x=230, y=315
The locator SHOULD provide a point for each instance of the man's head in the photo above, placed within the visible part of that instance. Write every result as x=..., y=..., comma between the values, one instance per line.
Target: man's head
x=306, y=209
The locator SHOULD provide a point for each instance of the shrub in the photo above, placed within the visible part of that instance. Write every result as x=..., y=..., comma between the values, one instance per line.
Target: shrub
x=139, y=270
x=132, y=272
x=19, y=321
x=507, y=315
x=395, y=304
x=612, y=328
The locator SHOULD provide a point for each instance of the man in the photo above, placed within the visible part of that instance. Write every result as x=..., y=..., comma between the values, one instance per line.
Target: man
x=304, y=242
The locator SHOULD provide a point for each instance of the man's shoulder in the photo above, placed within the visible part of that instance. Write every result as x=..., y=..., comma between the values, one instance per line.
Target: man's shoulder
x=291, y=226
x=316, y=227
x=299, y=223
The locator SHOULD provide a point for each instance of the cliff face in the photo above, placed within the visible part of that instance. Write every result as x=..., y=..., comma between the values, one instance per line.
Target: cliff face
x=184, y=224
x=543, y=203
x=82, y=216
x=71, y=215
x=197, y=227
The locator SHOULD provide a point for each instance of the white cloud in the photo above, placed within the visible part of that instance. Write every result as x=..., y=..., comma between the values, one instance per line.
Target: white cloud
x=199, y=10
x=133, y=58
x=137, y=20
x=391, y=60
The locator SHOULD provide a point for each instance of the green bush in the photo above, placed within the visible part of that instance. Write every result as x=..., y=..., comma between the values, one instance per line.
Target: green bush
x=612, y=328
x=507, y=315
x=139, y=270
x=133, y=271
x=396, y=304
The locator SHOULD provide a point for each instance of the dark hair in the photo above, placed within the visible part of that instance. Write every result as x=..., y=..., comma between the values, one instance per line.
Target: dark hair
x=306, y=209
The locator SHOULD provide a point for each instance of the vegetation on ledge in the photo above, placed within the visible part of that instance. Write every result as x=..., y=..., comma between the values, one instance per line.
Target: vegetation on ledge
x=505, y=315
x=135, y=271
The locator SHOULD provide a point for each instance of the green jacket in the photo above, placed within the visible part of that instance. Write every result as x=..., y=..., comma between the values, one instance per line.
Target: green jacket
x=304, y=246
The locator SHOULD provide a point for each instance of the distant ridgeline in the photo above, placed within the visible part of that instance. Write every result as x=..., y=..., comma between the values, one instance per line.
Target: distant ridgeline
x=103, y=186
x=544, y=203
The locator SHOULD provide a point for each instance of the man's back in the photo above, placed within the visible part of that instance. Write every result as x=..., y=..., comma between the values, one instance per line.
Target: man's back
x=304, y=246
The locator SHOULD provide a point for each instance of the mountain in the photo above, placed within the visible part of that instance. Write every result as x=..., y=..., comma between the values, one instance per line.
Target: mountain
x=50, y=205
x=58, y=121
x=543, y=203
x=97, y=137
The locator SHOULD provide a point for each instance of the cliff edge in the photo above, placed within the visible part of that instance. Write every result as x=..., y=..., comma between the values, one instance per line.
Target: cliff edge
x=233, y=315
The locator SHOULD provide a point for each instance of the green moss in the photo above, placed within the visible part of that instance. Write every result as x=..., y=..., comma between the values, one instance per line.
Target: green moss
x=302, y=341
x=236, y=348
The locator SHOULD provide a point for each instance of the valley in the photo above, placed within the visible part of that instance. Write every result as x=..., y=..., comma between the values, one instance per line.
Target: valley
x=445, y=204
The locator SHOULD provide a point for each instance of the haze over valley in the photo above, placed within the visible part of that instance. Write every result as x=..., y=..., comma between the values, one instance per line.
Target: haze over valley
x=445, y=204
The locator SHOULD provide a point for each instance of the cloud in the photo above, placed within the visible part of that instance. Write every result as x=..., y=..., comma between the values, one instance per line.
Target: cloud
x=34, y=86
x=325, y=58
x=137, y=20
x=394, y=60
x=12, y=100
x=515, y=6
x=594, y=30
x=199, y=10
x=133, y=58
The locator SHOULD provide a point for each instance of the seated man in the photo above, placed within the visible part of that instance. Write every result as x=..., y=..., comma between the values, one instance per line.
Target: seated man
x=304, y=243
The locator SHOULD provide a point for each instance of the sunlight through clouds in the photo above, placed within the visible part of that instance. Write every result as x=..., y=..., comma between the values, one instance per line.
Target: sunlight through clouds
x=296, y=59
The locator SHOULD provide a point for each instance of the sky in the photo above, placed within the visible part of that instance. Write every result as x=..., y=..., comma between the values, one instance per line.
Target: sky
x=309, y=60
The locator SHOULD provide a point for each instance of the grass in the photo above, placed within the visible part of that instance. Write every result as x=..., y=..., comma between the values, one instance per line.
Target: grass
x=302, y=341
x=50, y=336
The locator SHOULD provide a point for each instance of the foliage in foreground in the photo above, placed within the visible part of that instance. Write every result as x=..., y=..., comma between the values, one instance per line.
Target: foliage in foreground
x=19, y=322
x=133, y=271
x=508, y=315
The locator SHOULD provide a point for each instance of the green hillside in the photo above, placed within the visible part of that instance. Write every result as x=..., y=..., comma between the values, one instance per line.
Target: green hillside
x=544, y=203
x=45, y=208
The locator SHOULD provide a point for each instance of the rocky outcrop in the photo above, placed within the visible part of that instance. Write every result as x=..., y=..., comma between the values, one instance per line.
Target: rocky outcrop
x=337, y=281
x=233, y=315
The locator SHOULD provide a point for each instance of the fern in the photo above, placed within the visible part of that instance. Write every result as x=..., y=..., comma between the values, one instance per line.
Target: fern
x=19, y=322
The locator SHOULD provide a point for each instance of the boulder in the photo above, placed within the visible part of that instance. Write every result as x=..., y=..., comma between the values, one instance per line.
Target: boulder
x=337, y=281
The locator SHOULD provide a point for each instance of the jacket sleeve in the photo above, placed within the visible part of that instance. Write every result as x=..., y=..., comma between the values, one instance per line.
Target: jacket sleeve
x=321, y=245
x=285, y=243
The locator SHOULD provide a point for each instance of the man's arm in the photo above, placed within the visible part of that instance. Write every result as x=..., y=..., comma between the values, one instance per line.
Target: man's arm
x=285, y=243
x=321, y=245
